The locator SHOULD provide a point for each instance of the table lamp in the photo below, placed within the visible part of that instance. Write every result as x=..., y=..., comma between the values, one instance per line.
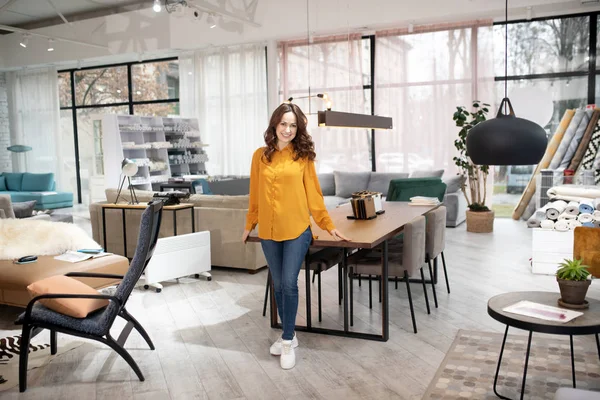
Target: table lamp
x=128, y=169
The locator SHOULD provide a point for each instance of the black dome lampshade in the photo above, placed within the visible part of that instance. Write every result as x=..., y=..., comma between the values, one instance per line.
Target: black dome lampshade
x=506, y=140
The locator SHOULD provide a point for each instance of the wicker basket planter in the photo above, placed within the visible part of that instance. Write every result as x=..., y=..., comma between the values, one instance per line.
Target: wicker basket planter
x=480, y=221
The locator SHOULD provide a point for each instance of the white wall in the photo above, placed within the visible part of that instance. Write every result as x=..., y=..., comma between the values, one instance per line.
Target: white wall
x=160, y=34
x=5, y=155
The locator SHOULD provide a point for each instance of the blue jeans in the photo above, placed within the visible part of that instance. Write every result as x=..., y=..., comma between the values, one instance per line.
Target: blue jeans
x=285, y=259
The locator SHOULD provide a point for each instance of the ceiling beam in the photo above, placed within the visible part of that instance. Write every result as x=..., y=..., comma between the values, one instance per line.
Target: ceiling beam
x=58, y=12
x=205, y=6
x=6, y=5
x=57, y=38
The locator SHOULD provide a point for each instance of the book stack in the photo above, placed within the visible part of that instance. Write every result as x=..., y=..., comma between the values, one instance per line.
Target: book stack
x=366, y=204
x=424, y=201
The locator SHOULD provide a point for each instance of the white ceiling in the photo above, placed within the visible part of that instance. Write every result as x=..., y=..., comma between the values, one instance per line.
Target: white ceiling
x=32, y=11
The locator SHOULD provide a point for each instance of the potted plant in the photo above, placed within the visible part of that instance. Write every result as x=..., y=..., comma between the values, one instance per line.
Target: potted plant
x=573, y=281
x=480, y=218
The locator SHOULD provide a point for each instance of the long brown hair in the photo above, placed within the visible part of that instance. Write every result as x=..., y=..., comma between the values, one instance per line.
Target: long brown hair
x=302, y=142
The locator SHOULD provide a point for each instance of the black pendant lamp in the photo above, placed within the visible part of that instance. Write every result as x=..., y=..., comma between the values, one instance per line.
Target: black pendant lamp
x=506, y=139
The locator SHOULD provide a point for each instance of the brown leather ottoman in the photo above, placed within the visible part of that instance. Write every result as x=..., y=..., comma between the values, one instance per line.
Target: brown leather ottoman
x=14, y=278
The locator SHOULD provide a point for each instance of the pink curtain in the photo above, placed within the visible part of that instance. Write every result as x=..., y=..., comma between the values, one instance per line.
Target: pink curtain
x=332, y=65
x=420, y=79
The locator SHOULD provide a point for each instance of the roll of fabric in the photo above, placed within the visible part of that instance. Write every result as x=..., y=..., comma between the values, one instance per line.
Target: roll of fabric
x=562, y=225
x=566, y=216
x=597, y=203
x=586, y=206
x=588, y=224
x=555, y=209
x=547, y=224
x=566, y=140
x=596, y=215
x=583, y=218
x=574, y=143
x=596, y=224
x=572, y=208
x=574, y=192
x=585, y=141
x=534, y=222
x=573, y=223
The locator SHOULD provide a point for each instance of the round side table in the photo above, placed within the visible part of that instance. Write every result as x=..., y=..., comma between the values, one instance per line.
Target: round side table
x=586, y=324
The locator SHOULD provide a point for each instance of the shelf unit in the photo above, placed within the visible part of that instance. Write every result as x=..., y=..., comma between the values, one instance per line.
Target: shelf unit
x=162, y=147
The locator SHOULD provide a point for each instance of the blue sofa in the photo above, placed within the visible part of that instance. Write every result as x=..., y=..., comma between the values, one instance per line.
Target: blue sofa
x=25, y=186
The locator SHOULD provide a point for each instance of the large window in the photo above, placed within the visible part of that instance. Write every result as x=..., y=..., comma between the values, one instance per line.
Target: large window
x=87, y=93
x=551, y=55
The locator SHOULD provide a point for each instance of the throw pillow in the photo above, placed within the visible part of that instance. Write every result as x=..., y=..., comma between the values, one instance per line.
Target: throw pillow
x=60, y=284
x=37, y=182
x=380, y=181
x=347, y=183
x=327, y=183
x=453, y=184
x=3, y=184
x=427, y=174
x=24, y=209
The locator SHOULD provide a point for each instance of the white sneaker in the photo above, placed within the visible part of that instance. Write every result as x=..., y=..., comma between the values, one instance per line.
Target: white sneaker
x=276, y=347
x=288, y=356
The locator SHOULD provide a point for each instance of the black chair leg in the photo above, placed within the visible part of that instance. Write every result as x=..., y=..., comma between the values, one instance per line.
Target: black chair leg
x=425, y=290
x=314, y=273
x=359, y=281
x=126, y=356
x=266, y=293
x=370, y=294
x=319, y=295
x=396, y=282
x=432, y=284
x=340, y=294
x=412, y=310
x=351, y=275
x=138, y=327
x=24, y=356
x=380, y=287
x=445, y=272
x=53, y=343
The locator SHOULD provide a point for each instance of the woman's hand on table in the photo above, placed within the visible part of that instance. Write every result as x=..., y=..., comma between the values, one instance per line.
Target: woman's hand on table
x=337, y=235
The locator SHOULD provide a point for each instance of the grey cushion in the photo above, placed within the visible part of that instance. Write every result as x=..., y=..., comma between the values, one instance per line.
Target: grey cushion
x=427, y=173
x=380, y=181
x=96, y=323
x=6, y=206
x=24, y=209
x=334, y=201
x=453, y=183
x=327, y=183
x=347, y=183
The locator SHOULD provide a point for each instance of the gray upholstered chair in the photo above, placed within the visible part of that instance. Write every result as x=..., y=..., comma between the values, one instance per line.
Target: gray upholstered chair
x=435, y=243
x=96, y=325
x=404, y=260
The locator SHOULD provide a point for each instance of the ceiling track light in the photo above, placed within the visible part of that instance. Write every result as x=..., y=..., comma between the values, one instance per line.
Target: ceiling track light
x=157, y=6
x=24, y=41
x=210, y=20
x=50, y=44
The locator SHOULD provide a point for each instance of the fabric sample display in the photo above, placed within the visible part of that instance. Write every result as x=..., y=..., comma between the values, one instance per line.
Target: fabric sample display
x=572, y=208
x=574, y=143
x=568, y=136
x=583, y=218
x=573, y=192
x=555, y=209
x=550, y=151
x=586, y=206
x=573, y=223
x=547, y=224
x=562, y=225
x=585, y=141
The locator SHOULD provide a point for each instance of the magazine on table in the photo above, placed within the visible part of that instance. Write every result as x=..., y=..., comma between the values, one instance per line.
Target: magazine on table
x=76, y=256
x=542, y=311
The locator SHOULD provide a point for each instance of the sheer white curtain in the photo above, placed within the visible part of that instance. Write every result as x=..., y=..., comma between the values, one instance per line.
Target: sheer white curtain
x=34, y=116
x=334, y=65
x=420, y=79
x=226, y=89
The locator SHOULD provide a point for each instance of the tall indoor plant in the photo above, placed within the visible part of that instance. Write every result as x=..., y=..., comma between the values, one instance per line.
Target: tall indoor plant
x=479, y=217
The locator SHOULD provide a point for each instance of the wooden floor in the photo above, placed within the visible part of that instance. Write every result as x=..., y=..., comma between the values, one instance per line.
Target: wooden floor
x=213, y=343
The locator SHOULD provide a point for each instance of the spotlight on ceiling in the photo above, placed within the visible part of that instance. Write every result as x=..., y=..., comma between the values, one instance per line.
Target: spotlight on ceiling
x=50, y=44
x=157, y=7
x=210, y=20
x=24, y=41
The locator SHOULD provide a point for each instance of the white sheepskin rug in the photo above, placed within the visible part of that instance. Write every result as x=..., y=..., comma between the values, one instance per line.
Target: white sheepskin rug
x=24, y=237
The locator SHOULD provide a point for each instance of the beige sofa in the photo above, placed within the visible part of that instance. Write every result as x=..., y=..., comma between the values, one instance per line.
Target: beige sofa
x=223, y=216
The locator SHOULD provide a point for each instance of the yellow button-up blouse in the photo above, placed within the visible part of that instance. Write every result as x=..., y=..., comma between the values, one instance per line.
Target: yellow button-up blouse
x=282, y=193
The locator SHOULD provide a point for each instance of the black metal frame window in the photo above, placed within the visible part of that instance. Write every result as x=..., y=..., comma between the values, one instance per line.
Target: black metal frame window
x=128, y=88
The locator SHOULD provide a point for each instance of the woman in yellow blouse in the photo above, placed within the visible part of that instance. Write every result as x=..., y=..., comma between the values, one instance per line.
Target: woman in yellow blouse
x=284, y=193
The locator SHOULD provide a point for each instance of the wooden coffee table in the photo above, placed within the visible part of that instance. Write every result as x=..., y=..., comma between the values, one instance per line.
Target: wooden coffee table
x=586, y=324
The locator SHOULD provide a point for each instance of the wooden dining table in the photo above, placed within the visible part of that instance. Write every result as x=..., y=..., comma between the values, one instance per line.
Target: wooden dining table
x=364, y=234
